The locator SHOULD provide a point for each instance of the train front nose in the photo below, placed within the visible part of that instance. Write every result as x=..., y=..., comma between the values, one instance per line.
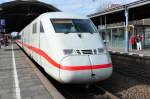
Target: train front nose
x=72, y=69
x=84, y=69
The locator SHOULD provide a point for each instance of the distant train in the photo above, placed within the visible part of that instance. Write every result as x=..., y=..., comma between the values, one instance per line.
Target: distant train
x=68, y=47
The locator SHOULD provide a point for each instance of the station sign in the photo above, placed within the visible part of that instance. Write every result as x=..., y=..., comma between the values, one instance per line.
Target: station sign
x=2, y=22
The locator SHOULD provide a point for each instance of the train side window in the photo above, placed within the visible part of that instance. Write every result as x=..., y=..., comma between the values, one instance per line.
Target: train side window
x=41, y=28
x=34, y=28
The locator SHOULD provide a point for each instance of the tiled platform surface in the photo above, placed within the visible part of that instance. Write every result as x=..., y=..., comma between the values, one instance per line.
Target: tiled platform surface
x=30, y=86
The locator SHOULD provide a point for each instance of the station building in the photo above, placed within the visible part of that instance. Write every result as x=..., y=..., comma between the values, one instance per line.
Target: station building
x=111, y=23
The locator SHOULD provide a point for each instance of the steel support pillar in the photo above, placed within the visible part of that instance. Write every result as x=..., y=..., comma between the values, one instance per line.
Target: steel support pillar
x=126, y=48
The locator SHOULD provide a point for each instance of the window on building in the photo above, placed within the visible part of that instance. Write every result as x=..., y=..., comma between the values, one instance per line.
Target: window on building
x=41, y=28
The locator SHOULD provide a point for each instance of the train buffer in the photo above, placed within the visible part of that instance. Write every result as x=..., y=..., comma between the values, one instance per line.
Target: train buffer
x=19, y=79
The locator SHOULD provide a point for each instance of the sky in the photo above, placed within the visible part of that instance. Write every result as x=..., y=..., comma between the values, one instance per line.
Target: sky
x=84, y=7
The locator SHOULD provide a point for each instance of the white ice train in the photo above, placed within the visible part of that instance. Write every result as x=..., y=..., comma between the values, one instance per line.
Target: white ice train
x=68, y=47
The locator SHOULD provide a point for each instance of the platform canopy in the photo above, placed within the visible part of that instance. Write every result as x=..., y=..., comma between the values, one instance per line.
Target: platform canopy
x=137, y=10
x=19, y=13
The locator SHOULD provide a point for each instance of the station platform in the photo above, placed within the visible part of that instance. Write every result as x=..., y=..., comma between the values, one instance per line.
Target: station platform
x=142, y=53
x=18, y=80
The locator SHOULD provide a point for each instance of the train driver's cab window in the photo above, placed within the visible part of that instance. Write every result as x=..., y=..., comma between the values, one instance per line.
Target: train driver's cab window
x=34, y=28
x=63, y=26
x=73, y=26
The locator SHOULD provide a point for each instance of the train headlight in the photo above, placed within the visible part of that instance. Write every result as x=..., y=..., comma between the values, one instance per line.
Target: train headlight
x=68, y=51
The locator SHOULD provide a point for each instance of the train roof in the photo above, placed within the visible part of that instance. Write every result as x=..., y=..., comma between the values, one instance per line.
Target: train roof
x=63, y=15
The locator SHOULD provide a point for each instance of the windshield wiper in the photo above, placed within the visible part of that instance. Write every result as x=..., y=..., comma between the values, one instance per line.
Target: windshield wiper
x=91, y=32
x=66, y=32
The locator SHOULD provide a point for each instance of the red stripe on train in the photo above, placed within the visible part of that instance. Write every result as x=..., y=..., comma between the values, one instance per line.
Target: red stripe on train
x=51, y=61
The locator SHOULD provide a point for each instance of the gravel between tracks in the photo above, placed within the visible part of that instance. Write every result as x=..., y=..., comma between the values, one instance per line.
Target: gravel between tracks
x=127, y=87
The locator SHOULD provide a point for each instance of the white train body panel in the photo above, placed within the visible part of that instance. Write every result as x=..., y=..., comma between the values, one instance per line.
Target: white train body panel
x=88, y=61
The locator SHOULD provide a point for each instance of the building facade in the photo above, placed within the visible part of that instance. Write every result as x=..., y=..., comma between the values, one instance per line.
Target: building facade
x=112, y=24
x=114, y=34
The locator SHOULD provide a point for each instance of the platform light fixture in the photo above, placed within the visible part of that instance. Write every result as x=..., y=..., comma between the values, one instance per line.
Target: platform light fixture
x=1, y=9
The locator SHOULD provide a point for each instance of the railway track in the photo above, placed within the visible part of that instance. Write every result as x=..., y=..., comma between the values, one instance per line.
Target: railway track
x=69, y=91
x=93, y=92
x=80, y=92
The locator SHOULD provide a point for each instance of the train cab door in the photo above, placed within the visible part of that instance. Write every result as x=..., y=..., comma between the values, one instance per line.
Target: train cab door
x=41, y=36
x=36, y=41
x=22, y=39
x=30, y=40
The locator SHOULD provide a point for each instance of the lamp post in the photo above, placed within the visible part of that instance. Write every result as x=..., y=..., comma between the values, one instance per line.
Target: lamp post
x=126, y=49
x=1, y=9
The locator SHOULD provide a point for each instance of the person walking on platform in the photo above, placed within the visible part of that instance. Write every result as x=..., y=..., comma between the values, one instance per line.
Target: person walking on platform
x=132, y=41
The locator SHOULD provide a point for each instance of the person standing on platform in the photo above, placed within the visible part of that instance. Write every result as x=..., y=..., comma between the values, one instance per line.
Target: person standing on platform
x=132, y=41
x=5, y=38
x=138, y=42
x=0, y=40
